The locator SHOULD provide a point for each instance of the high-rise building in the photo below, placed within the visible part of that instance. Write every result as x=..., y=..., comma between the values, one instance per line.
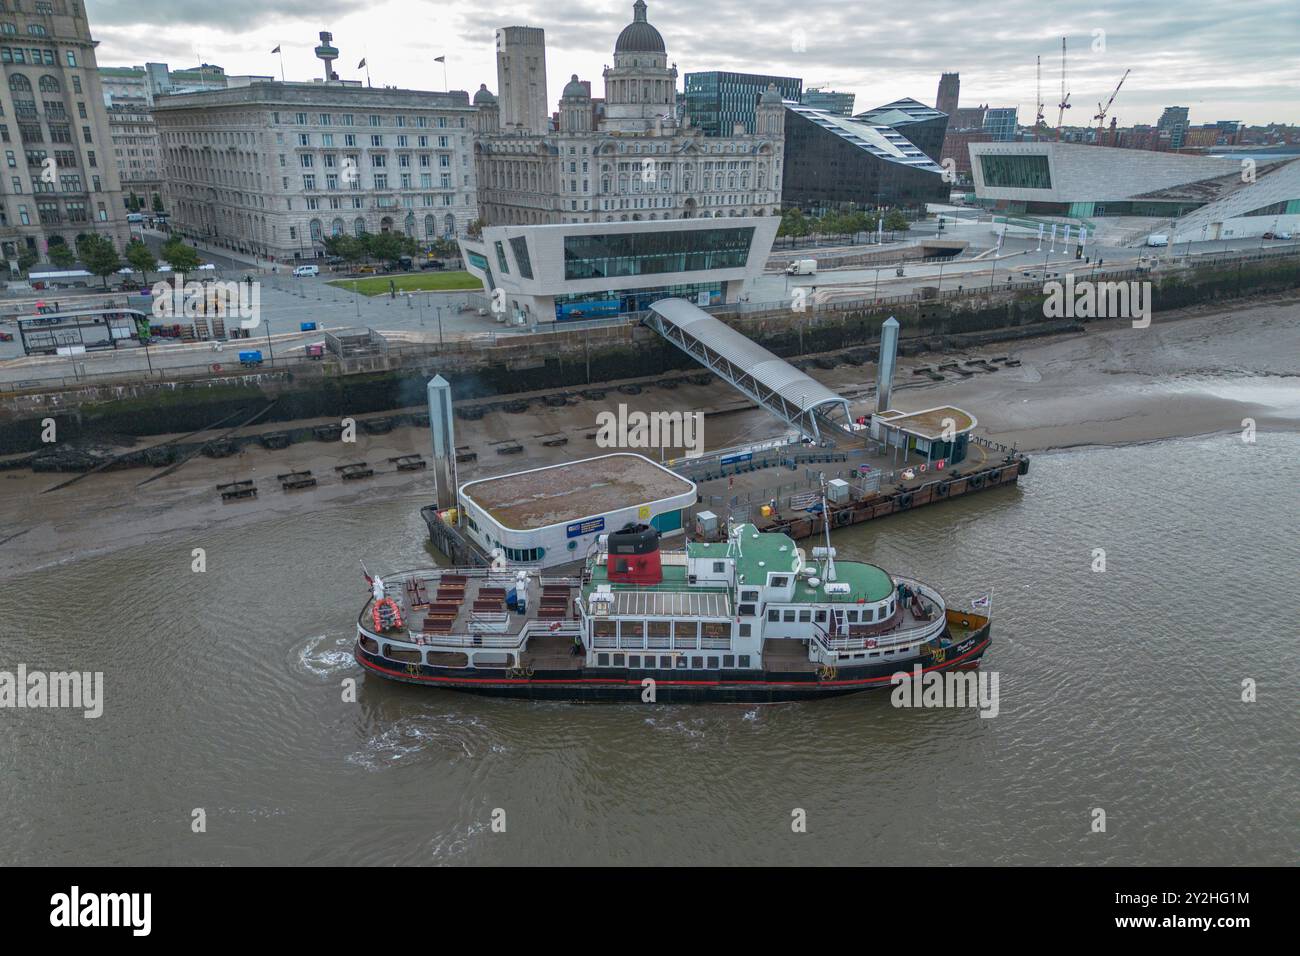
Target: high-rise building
x=521, y=79
x=829, y=100
x=1174, y=122
x=61, y=179
x=722, y=103
x=631, y=159
x=948, y=95
x=136, y=149
x=272, y=169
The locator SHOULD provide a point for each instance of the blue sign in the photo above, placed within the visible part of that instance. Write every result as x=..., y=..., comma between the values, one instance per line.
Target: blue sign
x=732, y=459
x=579, y=528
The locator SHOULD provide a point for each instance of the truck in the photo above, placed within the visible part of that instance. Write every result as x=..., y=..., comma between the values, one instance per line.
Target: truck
x=802, y=267
x=1157, y=239
x=250, y=359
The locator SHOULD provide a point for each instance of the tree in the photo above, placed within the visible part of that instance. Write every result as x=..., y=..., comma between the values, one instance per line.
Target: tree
x=133, y=202
x=157, y=203
x=179, y=256
x=793, y=224
x=390, y=246
x=99, y=257
x=475, y=229
x=141, y=258
x=895, y=221
x=62, y=256
x=26, y=257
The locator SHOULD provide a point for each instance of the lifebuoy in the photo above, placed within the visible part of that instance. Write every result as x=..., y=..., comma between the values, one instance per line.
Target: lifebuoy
x=216, y=366
x=904, y=501
x=941, y=490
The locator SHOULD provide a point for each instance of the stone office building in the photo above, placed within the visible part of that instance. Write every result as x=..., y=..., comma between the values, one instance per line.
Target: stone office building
x=633, y=159
x=272, y=169
x=53, y=109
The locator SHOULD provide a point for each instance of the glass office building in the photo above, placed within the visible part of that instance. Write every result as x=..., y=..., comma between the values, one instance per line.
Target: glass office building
x=839, y=162
x=655, y=253
x=1000, y=123
x=716, y=102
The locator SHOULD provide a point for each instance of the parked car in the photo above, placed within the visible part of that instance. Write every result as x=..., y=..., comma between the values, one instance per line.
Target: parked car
x=432, y=264
x=301, y=272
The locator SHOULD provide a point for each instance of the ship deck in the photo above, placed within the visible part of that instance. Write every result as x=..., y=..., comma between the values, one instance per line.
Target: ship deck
x=437, y=603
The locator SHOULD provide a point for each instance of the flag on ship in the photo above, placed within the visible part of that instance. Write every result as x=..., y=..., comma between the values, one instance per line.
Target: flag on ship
x=277, y=49
x=981, y=602
x=366, y=574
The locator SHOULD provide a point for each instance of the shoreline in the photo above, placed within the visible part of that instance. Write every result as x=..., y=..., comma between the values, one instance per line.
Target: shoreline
x=1194, y=378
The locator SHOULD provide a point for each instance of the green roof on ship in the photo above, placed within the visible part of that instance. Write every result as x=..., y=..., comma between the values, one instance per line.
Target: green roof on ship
x=762, y=553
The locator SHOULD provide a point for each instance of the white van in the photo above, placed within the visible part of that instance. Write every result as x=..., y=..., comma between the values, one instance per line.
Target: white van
x=1157, y=239
x=304, y=271
x=802, y=267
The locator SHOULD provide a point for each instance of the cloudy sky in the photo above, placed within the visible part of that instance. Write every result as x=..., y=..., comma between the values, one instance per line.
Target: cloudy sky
x=1224, y=59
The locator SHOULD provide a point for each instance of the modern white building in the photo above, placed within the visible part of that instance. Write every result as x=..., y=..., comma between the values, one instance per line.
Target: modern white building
x=1190, y=198
x=595, y=270
x=554, y=515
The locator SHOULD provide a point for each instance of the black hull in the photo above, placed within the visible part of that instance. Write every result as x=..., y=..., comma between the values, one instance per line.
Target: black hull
x=612, y=685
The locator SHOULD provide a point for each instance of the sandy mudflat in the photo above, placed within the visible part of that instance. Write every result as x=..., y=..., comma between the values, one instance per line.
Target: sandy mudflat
x=1201, y=373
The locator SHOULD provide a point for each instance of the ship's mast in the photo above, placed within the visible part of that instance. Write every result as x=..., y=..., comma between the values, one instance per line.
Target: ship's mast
x=826, y=525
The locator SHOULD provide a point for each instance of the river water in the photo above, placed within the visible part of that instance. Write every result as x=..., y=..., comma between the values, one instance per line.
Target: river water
x=1119, y=690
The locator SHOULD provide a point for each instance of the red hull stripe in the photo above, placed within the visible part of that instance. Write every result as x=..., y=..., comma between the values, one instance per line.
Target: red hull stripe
x=434, y=679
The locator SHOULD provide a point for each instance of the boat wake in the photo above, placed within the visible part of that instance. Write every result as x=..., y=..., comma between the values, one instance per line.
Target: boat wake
x=315, y=657
x=439, y=736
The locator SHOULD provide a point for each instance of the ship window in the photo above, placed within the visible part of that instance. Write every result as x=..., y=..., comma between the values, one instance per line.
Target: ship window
x=749, y=595
x=681, y=662
x=618, y=660
x=805, y=616
x=774, y=616
x=602, y=660
x=604, y=628
x=779, y=581
x=853, y=616
x=697, y=663
x=820, y=617
x=728, y=660
x=874, y=654
x=719, y=567
x=713, y=663
x=665, y=662
x=789, y=616
x=744, y=660
x=634, y=660
x=748, y=610
x=745, y=630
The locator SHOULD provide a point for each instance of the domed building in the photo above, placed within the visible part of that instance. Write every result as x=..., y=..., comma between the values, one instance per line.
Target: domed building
x=631, y=156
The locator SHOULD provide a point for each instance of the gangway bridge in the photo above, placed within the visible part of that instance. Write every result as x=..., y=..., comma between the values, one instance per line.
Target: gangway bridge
x=799, y=400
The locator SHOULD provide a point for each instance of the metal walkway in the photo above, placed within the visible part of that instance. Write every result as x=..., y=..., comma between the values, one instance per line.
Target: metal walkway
x=772, y=382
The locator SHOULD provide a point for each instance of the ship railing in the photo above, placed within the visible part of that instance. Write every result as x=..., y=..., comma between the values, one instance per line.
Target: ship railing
x=907, y=636
x=490, y=641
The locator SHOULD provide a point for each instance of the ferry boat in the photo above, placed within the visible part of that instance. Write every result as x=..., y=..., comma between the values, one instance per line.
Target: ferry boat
x=753, y=618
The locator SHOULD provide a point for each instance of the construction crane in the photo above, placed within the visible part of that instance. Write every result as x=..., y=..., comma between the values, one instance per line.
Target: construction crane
x=1101, y=116
x=1038, y=98
x=1065, y=97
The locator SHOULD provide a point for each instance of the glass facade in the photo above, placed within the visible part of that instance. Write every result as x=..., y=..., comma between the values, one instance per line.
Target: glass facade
x=655, y=253
x=1015, y=172
x=1000, y=123
x=716, y=101
x=519, y=246
x=501, y=259
x=599, y=305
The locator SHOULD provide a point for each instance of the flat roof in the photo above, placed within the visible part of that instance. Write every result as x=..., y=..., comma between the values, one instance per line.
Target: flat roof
x=928, y=424
x=559, y=494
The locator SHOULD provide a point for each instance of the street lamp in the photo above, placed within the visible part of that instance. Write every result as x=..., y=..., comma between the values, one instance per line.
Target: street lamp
x=270, y=353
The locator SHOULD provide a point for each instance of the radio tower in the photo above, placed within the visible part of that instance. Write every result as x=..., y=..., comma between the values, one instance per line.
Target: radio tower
x=329, y=53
